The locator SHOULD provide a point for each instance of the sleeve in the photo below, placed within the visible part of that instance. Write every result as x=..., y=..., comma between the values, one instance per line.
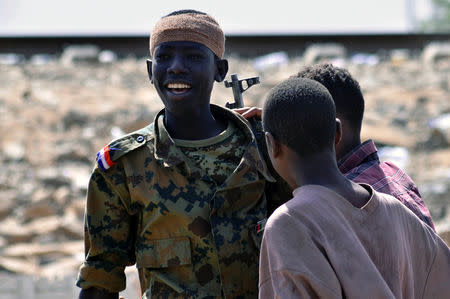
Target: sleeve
x=109, y=233
x=292, y=266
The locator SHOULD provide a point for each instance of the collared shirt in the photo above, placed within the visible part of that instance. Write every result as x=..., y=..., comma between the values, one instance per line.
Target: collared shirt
x=362, y=165
x=188, y=236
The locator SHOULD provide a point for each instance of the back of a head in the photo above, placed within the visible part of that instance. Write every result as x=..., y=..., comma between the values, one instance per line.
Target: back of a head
x=300, y=113
x=345, y=91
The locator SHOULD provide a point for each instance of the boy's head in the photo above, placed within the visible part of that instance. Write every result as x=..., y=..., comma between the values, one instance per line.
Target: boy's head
x=187, y=47
x=346, y=94
x=299, y=114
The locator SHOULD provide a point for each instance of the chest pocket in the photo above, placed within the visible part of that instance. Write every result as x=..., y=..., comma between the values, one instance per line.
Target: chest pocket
x=164, y=253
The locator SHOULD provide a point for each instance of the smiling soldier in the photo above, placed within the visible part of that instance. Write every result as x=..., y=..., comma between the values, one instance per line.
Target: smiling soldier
x=183, y=197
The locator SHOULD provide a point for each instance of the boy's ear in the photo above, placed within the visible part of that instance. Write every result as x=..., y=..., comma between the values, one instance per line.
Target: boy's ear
x=222, y=69
x=149, y=70
x=273, y=146
x=338, y=136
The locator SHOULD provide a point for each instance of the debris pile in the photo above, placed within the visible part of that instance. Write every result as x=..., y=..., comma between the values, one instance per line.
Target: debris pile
x=57, y=112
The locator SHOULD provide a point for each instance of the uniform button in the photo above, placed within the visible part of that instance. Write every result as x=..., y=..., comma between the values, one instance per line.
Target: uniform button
x=140, y=139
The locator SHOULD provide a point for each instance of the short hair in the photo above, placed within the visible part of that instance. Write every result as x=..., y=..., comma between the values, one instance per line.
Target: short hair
x=300, y=113
x=345, y=91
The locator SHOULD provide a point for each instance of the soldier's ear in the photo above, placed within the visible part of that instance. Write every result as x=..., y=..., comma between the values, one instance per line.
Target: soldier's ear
x=221, y=69
x=149, y=70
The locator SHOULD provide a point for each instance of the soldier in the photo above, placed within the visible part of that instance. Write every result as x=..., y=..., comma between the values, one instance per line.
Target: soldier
x=183, y=198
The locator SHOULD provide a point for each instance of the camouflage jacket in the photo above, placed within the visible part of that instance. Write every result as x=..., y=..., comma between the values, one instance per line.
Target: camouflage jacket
x=187, y=236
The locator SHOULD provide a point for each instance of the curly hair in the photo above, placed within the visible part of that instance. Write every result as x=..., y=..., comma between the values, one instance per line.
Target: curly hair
x=300, y=113
x=344, y=89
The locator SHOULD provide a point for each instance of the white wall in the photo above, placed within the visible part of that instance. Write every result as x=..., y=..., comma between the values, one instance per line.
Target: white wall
x=86, y=17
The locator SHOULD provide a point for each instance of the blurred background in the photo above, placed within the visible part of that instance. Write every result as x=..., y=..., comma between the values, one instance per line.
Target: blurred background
x=73, y=77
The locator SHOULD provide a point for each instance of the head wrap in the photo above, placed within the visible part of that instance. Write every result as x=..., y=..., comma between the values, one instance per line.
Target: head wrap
x=192, y=27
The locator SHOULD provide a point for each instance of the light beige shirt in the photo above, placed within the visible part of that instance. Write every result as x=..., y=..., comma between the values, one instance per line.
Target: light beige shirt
x=319, y=245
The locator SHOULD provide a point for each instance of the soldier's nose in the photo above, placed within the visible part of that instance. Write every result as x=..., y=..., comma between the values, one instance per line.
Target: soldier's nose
x=177, y=66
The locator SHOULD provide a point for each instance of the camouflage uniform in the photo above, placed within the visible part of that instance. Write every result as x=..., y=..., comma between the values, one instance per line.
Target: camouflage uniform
x=188, y=236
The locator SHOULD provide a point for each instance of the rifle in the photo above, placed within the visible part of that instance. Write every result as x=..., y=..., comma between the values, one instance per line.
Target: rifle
x=278, y=193
x=238, y=89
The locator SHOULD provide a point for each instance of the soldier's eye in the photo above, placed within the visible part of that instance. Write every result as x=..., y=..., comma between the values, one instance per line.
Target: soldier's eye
x=195, y=56
x=162, y=56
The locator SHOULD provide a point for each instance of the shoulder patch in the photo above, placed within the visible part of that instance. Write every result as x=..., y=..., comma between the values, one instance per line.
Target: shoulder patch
x=108, y=155
x=104, y=159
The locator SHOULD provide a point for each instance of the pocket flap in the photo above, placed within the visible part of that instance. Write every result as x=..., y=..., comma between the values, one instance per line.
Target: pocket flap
x=164, y=253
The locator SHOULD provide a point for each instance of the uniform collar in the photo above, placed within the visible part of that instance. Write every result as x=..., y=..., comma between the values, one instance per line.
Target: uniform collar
x=171, y=155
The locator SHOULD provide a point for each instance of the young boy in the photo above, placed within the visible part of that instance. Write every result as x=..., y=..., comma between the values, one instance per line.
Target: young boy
x=336, y=238
x=184, y=197
x=359, y=161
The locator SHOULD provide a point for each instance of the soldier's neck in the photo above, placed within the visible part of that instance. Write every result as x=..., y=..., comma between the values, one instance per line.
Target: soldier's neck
x=193, y=126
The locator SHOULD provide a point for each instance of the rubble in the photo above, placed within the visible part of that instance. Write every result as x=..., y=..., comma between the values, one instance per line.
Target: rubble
x=365, y=59
x=399, y=56
x=41, y=59
x=397, y=154
x=440, y=131
x=11, y=59
x=14, y=151
x=55, y=117
x=270, y=61
x=319, y=52
x=434, y=52
x=80, y=53
x=107, y=56
x=444, y=231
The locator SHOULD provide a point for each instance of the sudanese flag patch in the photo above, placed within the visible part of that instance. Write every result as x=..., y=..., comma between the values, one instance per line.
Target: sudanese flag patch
x=104, y=159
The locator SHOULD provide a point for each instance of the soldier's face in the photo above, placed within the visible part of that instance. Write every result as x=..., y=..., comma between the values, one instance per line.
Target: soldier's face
x=183, y=74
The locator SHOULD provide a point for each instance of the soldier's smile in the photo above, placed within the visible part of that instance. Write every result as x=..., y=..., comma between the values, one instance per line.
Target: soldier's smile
x=178, y=88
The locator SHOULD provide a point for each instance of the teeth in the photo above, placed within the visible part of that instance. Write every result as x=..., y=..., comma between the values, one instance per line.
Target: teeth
x=178, y=86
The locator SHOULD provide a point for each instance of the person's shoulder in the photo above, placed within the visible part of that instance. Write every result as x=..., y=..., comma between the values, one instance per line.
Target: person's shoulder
x=279, y=219
x=292, y=211
x=396, y=210
x=388, y=200
x=285, y=224
x=118, y=148
x=229, y=114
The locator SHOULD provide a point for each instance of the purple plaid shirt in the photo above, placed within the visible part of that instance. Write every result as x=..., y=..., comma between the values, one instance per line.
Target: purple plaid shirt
x=362, y=165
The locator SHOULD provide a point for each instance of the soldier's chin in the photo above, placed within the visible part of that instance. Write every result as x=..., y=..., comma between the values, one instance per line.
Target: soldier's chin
x=179, y=91
x=178, y=95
